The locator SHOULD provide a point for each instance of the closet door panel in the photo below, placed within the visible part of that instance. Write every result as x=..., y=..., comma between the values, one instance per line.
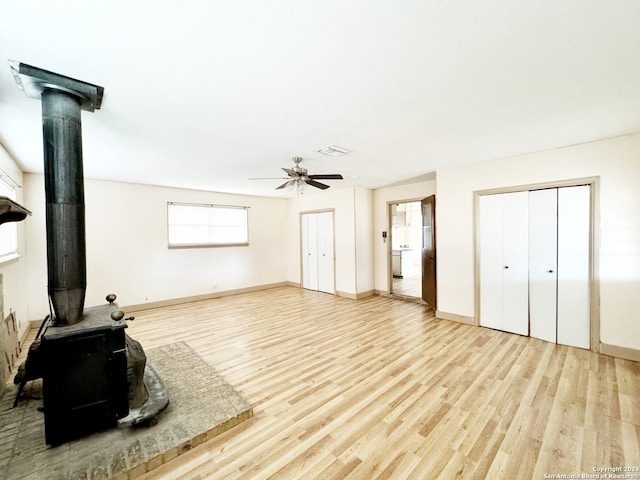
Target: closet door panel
x=490, y=238
x=325, y=252
x=304, y=260
x=543, y=234
x=573, y=266
x=304, y=255
x=310, y=252
x=515, y=263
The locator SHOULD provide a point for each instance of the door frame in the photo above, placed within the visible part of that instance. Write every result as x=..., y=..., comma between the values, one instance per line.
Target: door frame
x=390, y=239
x=301, y=252
x=594, y=245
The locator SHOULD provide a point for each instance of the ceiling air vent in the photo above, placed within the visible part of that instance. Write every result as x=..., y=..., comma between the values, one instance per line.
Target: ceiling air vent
x=333, y=150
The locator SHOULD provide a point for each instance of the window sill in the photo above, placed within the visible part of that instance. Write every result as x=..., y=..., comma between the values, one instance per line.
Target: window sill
x=8, y=259
x=208, y=245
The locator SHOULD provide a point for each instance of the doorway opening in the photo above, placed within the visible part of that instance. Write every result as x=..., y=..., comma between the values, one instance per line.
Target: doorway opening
x=412, y=250
x=406, y=245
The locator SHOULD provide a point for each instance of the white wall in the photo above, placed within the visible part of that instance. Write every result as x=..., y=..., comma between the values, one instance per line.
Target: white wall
x=363, y=220
x=616, y=161
x=353, y=276
x=127, y=254
x=14, y=272
x=381, y=199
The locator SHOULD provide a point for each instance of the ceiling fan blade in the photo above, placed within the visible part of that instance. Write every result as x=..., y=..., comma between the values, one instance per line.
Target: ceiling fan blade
x=283, y=185
x=269, y=178
x=328, y=176
x=290, y=172
x=313, y=183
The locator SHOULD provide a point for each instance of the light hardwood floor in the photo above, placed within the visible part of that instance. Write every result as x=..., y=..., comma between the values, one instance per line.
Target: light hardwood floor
x=410, y=286
x=379, y=388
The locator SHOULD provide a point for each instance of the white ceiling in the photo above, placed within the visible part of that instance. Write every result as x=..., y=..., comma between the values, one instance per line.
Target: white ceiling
x=207, y=94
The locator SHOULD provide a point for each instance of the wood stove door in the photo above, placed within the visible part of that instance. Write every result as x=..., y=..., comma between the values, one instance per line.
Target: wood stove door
x=84, y=383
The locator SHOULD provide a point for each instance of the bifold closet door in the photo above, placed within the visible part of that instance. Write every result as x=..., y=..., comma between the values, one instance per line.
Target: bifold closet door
x=504, y=289
x=318, y=252
x=543, y=259
x=559, y=291
x=490, y=234
x=325, y=252
x=574, y=318
x=309, y=252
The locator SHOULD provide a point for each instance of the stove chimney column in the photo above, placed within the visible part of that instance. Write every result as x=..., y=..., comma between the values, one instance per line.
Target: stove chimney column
x=64, y=193
x=62, y=100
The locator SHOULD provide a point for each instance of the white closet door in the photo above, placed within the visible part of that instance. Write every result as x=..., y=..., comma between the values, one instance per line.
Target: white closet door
x=309, y=252
x=318, y=252
x=515, y=261
x=573, y=266
x=504, y=262
x=543, y=235
x=490, y=238
x=325, y=252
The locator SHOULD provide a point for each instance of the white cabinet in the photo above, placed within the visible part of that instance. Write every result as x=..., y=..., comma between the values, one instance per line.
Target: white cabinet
x=396, y=263
x=406, y=260
x=534, y=264
x=318, y=252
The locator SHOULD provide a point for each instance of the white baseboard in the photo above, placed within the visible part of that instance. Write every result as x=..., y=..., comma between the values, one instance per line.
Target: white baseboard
x=176, y=301
x=355, y=296
x=620, y=352
x=455, y=317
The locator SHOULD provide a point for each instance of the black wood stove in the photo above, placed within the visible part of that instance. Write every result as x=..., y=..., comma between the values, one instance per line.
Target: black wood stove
x=93, y=374
x=84, y=376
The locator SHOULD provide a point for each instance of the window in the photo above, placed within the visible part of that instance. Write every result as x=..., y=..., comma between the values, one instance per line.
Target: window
x=200, y=225
x=8, y=230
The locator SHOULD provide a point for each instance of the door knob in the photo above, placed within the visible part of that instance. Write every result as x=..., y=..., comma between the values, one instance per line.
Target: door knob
x=549, y=271
x=506, y=267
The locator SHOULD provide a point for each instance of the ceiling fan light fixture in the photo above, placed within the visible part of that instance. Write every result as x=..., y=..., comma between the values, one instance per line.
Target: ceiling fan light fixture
x=297, y=184
x=333, y=151
x=299, y=178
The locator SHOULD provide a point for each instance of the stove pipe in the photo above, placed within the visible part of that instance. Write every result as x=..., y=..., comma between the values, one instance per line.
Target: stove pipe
x=64, y=194
x=62, y=100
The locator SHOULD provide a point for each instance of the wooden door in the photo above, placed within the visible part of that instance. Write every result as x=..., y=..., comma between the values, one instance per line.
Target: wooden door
x=543, y=258
x=429, y=290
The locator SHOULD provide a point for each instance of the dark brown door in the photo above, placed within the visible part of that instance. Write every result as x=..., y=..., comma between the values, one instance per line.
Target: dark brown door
x=429, y=250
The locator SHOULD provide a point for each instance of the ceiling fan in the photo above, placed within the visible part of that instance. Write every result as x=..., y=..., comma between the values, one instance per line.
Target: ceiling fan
x=299, y=176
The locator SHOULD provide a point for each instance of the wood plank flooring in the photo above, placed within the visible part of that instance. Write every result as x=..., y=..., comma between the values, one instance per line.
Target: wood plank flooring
x=379, y=388
x=409, y=286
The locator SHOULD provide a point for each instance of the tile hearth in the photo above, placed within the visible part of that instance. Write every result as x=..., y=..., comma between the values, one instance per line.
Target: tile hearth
x=202, y=405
